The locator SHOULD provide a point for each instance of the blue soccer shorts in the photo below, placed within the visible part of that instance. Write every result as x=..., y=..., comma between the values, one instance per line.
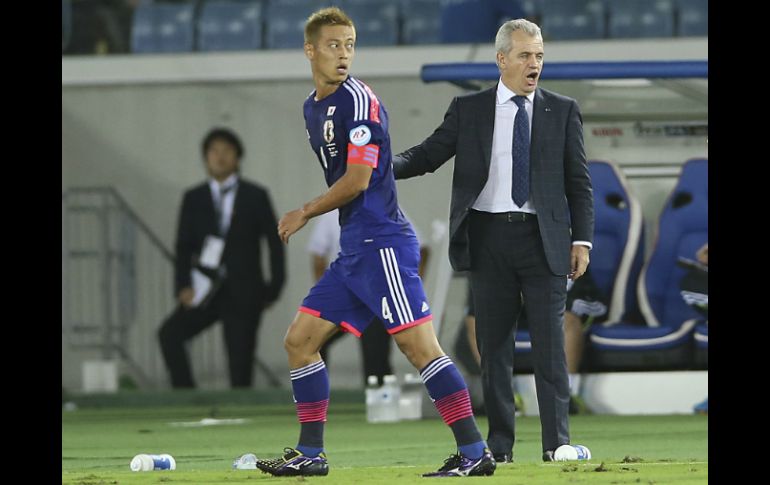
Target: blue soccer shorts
x=376, y=282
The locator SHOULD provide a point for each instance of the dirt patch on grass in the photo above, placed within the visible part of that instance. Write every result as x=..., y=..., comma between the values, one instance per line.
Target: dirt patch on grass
x=631, y=459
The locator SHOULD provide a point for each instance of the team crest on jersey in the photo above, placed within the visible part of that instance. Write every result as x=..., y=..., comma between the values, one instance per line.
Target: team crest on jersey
x=328, y=131
x=360, y=135
x=331, y=110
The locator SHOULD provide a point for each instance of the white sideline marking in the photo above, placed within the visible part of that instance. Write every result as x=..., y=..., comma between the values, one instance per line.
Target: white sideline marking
x=596, y=462
x=555, y=463
x=209, y=422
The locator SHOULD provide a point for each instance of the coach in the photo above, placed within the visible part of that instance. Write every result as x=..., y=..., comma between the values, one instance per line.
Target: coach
x=521, y=220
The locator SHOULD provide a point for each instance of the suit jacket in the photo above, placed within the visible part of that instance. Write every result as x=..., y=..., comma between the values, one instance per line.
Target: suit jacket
x=252, y=219
x=560, y=185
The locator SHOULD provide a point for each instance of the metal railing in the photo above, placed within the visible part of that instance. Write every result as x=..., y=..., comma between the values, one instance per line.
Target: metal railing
x=117, y=283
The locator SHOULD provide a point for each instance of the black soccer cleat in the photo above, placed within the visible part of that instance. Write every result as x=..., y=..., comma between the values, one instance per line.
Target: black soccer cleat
x=461, y=466
x=294, y=463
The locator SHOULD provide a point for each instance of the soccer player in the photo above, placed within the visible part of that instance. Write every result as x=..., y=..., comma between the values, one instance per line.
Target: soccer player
x=376, y=271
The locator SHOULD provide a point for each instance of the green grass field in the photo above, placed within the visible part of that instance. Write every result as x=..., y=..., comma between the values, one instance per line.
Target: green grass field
x=98, y=444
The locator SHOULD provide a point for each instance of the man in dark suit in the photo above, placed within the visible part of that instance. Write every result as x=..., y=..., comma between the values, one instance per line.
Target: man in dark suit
x=521, y=220
x=221, y=225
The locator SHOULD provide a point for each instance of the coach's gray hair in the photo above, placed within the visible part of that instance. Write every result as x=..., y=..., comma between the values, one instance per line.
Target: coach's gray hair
x=503, y=42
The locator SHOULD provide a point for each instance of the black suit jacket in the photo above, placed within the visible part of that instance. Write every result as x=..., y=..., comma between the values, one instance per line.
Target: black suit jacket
x=252, y=219
x=560, y=185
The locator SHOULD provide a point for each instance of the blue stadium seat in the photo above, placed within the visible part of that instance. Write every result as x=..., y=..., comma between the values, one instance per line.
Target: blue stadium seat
x=692, y=18
x=421, y=22
x=618, y=246
x=637, y=19
x=229, y=26
x=376, y=21
x=682, y=230
x=163, y=28
x=285, y=22
x=473, y=21
x=532, y=9
x=573, y=19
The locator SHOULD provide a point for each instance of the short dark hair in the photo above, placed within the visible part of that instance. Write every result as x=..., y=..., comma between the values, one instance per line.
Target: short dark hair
x=226, y=135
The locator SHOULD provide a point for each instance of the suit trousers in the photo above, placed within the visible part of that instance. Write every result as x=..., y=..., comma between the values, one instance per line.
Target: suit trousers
x=240, y=335
x=509, y=267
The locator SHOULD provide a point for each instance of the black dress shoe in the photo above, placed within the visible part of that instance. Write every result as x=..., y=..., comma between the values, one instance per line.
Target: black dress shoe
x=548, y=455
x=503, y=458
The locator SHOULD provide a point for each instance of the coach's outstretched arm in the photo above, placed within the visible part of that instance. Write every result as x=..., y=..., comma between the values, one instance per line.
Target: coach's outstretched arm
x=348, y=187
x=431, y=153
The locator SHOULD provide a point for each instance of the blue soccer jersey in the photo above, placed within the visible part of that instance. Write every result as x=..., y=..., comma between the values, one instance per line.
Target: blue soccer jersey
x=350, y=126
x=375, y=274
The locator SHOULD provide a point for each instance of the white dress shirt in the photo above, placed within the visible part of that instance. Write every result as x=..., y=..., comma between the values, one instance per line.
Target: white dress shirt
x=496, y=195
x=229, y=200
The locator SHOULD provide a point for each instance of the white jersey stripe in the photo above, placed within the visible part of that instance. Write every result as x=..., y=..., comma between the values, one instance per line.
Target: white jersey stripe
x=401, y=285
x=390, y=287
x=358, y=106
x=357, y=112
x=399, y=296
x=355, y=101
x=365, y=97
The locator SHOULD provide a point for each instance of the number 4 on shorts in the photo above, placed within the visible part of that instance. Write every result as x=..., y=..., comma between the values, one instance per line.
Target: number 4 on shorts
x=386, y=314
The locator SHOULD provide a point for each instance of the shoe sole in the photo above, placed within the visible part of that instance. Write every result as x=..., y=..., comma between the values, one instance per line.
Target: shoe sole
x=296, y=473
x=485, y=472
x=485, y=469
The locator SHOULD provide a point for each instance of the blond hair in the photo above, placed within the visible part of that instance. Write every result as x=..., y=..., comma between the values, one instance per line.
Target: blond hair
x=325, y=16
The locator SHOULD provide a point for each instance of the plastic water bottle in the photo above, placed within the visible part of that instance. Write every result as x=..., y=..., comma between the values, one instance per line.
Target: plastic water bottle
x=390, y=394
x=410, y=404
x=572, y=452
x=382, y=401
x=147, y=463
x=373, y=402
x=245, y=462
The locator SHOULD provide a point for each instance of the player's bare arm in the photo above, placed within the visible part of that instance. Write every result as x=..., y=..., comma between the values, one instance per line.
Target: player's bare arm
x=347, y=188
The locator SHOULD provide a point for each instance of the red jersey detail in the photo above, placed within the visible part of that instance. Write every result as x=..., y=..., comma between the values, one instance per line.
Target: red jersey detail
x=309, y=311
x=365, y=155
x=350, y=328
x=374, y=105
